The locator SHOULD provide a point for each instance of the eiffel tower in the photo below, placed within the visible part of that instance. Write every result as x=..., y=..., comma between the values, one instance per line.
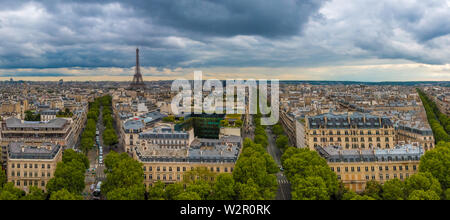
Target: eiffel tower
x=138, y=82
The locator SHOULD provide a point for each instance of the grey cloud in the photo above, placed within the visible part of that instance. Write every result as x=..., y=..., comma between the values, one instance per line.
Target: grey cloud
x=211, y=33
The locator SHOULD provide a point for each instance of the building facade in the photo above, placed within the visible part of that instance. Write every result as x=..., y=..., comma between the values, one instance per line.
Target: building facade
x=168, y=156
x=423, y=136
x=57, y=131
x=352, y=131
x=356, y=167
x=32, y=165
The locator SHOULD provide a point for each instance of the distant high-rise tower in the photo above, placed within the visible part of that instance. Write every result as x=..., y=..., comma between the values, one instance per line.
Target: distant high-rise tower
x=138, y=82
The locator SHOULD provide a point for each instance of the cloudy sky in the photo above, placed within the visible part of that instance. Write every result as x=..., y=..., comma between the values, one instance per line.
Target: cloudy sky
x=361, y=40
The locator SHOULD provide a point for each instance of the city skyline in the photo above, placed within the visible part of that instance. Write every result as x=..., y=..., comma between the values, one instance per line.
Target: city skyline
x=287, y=40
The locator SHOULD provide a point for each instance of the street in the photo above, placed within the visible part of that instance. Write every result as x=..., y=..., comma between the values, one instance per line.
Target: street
x=284, y=187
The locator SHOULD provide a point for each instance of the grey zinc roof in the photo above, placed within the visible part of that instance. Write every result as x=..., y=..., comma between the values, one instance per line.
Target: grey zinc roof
x=218, y=151
x=164, y=135
x=17, y=123
x=133, y=125
x=347, y=121
x=399, y=153
x=32, y=152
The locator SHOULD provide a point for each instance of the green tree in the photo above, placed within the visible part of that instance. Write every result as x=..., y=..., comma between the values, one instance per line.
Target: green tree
x=364, y=197
x=447, y=194
x=393, y=190
x=10, y=192
x=305, y=163
x=424, y=182
x=223, y=189
x=282, y=142
x=122, y=172
x=64, y=194
x=277, y=130
x=68, y=176
x=35, y=194
x=110, y=137
x=309, y=188
x=349, y=195
x=169, y=119
x=256, y=164
x=173, y=190
x=436, y=162
x=87, y=144
x=2, y=178
x=188, y=196
x=248, y=191
x=260, y=139
x=238, y=123
x=373, y=189
x=201, y=188
x=156, y=192
x=423, y=195
x=135, y=192
x=70, y=155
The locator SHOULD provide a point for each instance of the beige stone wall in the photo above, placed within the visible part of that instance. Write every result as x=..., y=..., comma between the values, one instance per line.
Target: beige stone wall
x=427, y=142
x=356, y=175
x=382, y=138
x=31, y=172
x=174, y=172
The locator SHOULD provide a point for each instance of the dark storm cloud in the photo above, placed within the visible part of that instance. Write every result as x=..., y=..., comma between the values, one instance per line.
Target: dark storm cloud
x=232, y=17
x=102, y=33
